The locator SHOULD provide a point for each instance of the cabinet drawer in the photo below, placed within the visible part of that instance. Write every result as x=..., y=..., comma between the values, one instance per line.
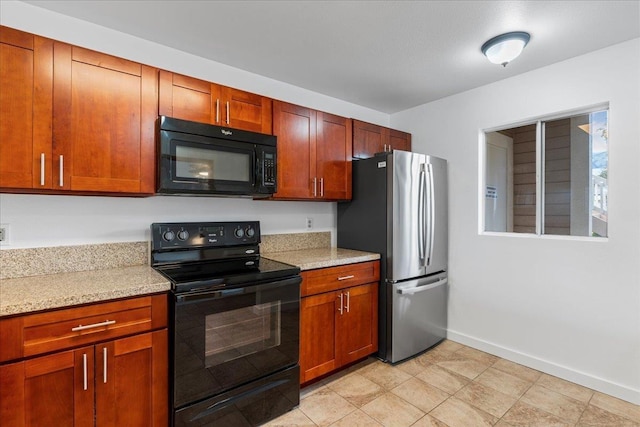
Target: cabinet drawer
x=334, y=278
x=39, y=333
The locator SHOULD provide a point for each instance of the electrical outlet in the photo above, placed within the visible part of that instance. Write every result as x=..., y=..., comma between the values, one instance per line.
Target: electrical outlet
x=4, y=234
x=309, y=223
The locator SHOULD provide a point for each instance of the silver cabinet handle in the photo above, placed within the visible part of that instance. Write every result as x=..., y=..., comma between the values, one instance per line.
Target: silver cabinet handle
x=217, y=111
x=61, y=170
x=321, y=187
x=227, y=112
x=315, y=187
x=341, y=302
x=385, y=148
x=348, y=298
x=104, y=365
x=351, y=276
x=42, y=169
x=93, y=325
x=84, y=371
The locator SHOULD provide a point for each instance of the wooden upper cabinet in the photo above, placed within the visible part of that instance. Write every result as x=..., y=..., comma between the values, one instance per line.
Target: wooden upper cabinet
x=399, y=140
x=333, y=156
x=26, y=72
x=197, y=100
x=295, y=128
x=369, y=139
x=104, y=112
x=314, y=153
x=248, y=111
x=187, y=98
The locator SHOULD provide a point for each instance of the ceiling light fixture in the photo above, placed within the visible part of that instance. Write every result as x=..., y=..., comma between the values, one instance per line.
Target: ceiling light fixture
x=506, y=47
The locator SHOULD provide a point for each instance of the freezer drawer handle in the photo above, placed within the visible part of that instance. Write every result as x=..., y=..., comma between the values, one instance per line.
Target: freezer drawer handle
x=410, y=291
x=351, y=276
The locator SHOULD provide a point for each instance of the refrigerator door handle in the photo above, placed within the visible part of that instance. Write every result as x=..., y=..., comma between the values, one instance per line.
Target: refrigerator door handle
x=422, y=183
x=432, y=214
x=417, y=289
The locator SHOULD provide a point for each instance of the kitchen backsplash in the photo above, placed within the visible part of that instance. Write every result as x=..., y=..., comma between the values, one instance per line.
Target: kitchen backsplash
x=66, y=259
x=295, y=241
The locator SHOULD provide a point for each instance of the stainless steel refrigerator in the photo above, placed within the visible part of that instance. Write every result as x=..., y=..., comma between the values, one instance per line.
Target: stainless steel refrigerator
x=399, y=209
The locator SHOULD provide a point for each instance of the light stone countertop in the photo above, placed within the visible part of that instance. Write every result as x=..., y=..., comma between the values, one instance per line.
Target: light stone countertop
x=35, y=293
x=309, y=259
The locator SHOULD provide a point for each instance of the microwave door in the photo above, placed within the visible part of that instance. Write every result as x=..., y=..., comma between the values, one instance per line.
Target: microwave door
x=195, y=164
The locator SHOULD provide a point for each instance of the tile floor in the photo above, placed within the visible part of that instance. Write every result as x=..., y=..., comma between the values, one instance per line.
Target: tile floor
x=453, y=385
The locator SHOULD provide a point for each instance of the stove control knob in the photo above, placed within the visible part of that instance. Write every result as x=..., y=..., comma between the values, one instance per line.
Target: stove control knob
x=183, y=235
x=168, y=235
x=239, y=233
x=250, y=232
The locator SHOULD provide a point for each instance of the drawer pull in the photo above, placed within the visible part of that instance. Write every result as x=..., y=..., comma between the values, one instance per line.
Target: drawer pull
x=95, y=325
x=351, y=276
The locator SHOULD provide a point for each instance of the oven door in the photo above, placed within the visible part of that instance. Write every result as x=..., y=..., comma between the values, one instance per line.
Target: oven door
x=202, y=164
x=226, y=338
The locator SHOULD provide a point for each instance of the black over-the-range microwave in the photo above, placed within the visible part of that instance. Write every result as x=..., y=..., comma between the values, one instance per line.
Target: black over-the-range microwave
x=204, y=159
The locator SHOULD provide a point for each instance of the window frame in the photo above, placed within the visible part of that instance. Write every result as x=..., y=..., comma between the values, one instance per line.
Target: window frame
x=540, y=185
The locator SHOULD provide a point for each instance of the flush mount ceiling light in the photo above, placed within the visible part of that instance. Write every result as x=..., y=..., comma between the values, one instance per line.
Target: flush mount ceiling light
x=506, y=47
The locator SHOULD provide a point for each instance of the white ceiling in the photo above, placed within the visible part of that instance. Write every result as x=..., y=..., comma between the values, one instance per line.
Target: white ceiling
x=386, y=55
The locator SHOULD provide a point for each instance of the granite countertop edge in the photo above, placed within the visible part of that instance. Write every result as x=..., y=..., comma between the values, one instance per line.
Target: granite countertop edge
x=310, y=259
x=31, y=294
x=25, y=295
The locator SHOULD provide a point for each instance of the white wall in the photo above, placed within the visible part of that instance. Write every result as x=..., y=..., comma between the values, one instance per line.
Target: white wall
x=37, y=221
x=570, y=307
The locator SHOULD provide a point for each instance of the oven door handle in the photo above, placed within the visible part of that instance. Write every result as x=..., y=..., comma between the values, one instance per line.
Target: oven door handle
x=215, y=292
x=208, y=294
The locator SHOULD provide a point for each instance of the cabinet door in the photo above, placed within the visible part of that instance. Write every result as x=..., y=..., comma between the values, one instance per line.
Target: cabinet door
x=295, y=128
x=358, y=328
x=369, y=139
x=26, y=73
x=132, y=377
x=54, y=390
x=400, y=140
x=333, y=157
x=318, y=350
x=104, y=119
x=247, y=111
x=188, y=98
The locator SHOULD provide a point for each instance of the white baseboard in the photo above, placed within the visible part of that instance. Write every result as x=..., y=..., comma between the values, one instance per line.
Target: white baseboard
x=604, y=386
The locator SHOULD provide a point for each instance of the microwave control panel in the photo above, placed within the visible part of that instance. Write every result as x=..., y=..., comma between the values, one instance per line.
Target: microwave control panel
x=269, y=168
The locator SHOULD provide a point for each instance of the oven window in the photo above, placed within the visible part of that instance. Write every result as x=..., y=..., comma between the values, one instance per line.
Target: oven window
x=238, y=333
x=201, y=163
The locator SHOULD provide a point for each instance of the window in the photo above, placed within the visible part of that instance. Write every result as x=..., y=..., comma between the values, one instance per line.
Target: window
x=548, y=177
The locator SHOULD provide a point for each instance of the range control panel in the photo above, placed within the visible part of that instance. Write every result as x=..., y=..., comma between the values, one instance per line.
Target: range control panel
x=204, y=234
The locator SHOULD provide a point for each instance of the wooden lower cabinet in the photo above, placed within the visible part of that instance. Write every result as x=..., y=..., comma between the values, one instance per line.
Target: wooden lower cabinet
x=338, y=327
x=49, y=390
x=126, y=378
x=118, y=382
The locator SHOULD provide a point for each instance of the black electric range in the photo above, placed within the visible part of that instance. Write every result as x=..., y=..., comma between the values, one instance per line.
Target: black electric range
x=235, y=324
